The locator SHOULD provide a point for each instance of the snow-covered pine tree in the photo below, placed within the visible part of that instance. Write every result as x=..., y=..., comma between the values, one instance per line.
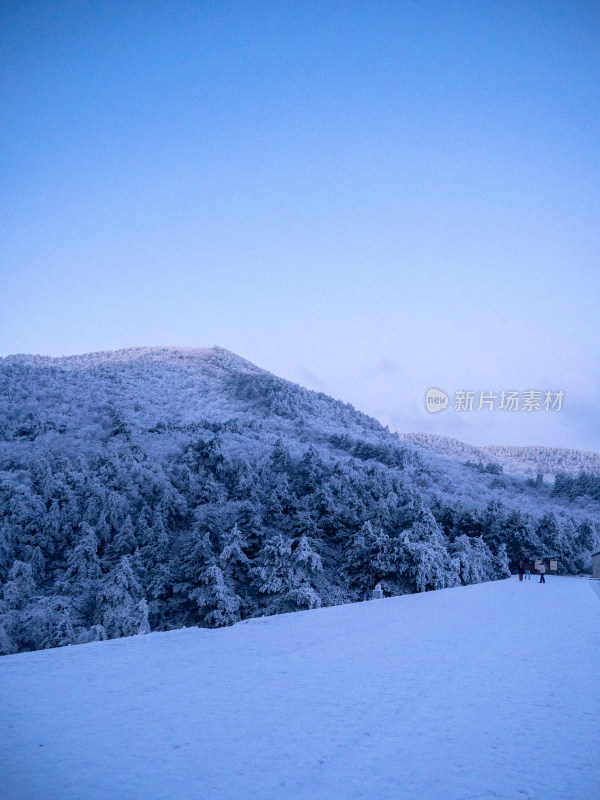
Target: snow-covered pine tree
x=47, y=623
x=431, y=567
x=82, y=576
x=16, y=594
x=280, y=460
x=118, y=602
x=124, y=543
x=233, y=561
x=305, y=571
x=8, y=536
x=218, y=604
x=310, y=471
x=156, y=563
x=271, y=572
x=20, y=586
x=502, y=564
x=549, y=533
x=476, y=562
x=521, y=540
x=369, y=559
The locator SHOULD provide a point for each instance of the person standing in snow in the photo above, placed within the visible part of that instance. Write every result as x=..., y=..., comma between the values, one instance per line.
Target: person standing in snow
x=521, y=570
x=528, y=571
x=542, y=571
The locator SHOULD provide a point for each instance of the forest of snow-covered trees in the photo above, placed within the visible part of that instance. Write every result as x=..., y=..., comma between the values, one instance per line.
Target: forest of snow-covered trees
x=155, y=489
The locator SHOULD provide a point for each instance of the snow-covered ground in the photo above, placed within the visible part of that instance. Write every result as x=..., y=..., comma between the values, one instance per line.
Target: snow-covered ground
x=486, y=691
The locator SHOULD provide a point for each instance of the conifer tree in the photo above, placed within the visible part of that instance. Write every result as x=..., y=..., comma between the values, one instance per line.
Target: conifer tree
x=117, y=601
x=217, y=601
x=305, y=570
x=271, y=570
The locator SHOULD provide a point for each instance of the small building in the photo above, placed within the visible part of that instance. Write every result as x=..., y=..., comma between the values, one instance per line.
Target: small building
x=596, y=565
x=378, y=592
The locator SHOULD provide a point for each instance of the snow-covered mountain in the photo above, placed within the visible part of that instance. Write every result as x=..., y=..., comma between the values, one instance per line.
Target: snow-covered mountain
x=158, y=487
x=474, y=692
x=157, y=389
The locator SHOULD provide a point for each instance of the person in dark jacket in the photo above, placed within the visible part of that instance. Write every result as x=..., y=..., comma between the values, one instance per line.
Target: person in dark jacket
x=521, y=570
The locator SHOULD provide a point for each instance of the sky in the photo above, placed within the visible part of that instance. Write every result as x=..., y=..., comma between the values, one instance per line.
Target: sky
x=367, y=198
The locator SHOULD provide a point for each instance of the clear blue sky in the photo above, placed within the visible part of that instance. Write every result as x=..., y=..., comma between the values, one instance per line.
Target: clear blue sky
x=367, y=198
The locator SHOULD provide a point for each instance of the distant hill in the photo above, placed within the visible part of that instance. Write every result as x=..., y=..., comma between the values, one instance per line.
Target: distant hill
x=528, y=461
x=152, y=488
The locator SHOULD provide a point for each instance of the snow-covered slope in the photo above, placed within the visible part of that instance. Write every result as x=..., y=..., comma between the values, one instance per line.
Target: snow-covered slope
x=483, y=691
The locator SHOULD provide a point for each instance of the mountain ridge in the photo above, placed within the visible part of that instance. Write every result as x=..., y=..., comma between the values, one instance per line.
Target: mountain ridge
x=520, y=460
x=526, y=460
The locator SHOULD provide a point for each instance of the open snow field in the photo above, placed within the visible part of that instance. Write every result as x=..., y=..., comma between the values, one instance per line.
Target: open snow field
x=486, y=691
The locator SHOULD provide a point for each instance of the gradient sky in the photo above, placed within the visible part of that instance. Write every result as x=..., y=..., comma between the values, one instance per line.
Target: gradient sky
x=367, y=198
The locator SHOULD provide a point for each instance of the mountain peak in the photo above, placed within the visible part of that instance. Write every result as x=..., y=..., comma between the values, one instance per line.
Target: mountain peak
x=126, y=355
